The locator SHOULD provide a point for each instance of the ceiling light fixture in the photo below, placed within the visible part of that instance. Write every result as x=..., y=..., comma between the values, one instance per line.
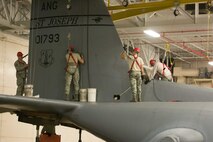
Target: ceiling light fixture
x=151, y=33
x=210, y=63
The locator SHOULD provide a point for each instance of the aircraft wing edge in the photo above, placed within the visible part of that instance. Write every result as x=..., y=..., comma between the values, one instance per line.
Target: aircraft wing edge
x=9, y=103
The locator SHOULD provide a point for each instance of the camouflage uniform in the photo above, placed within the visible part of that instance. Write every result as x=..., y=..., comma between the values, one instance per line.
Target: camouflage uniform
x=135, y=73
x=135, y=82
x=72, y=73
x=21, y=70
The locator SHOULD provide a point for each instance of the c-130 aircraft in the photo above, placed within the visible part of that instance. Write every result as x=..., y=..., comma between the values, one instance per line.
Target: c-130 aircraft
x=157, y=119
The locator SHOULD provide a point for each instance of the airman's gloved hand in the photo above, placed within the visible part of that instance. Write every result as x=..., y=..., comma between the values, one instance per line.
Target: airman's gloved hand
x=26, y=66
x=125, y=47
x=143, y=77
x=146, y=81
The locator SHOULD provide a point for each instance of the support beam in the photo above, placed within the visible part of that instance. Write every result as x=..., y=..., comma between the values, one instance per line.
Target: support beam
x=6, y=10
x=142, y=8
x=133, y=12
x=158, y=4
x=155, y=45
x=183, y=46
x=15, y=17
x=196, y=13
x=186, y=13
x=9, y=25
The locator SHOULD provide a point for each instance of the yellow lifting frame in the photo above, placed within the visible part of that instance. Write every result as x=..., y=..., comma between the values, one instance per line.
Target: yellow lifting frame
x=134, y=12
x=142, y=8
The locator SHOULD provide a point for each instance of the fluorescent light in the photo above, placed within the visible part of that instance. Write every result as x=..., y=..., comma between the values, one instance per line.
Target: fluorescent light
x=210, y=63
x=151, y=33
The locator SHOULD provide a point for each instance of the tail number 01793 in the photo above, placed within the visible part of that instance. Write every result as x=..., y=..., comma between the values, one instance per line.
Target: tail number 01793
x=47, y=38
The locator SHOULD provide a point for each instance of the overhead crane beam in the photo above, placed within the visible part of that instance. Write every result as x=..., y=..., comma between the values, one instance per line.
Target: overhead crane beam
x=142, y=8
x=164, y=3
x=134, y=12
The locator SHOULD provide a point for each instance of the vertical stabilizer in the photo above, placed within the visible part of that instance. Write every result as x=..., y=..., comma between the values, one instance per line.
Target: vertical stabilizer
x=87, y=25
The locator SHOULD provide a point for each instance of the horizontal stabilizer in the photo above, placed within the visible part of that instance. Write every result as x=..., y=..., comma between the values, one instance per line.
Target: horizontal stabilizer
x=10, y=103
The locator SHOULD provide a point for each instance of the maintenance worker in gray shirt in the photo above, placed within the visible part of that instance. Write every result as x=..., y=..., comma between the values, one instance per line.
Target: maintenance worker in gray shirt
x=136, y=72
x=21, y=72
x=72, y=72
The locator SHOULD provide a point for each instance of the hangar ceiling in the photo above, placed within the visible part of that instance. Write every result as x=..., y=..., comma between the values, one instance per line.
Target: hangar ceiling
x=187, y=35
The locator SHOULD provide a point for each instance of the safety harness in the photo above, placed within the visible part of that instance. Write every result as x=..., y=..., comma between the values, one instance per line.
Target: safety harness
x=23, y=63
x=71, y=55
x=164, y=67
x=135, y=60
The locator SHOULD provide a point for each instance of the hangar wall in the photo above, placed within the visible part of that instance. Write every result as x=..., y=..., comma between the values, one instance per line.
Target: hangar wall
x=196, y=73
x=10, y=129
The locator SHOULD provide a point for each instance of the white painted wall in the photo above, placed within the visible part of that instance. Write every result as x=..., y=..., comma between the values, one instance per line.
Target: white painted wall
x=194, y=65
x=10, y=129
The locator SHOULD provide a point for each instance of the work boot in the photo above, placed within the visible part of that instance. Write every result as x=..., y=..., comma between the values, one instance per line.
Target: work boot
x=67, y=97
x=133, y=100
x=76, y=97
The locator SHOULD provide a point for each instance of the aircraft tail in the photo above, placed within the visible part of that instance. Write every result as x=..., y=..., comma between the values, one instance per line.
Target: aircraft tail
x=85, y=24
